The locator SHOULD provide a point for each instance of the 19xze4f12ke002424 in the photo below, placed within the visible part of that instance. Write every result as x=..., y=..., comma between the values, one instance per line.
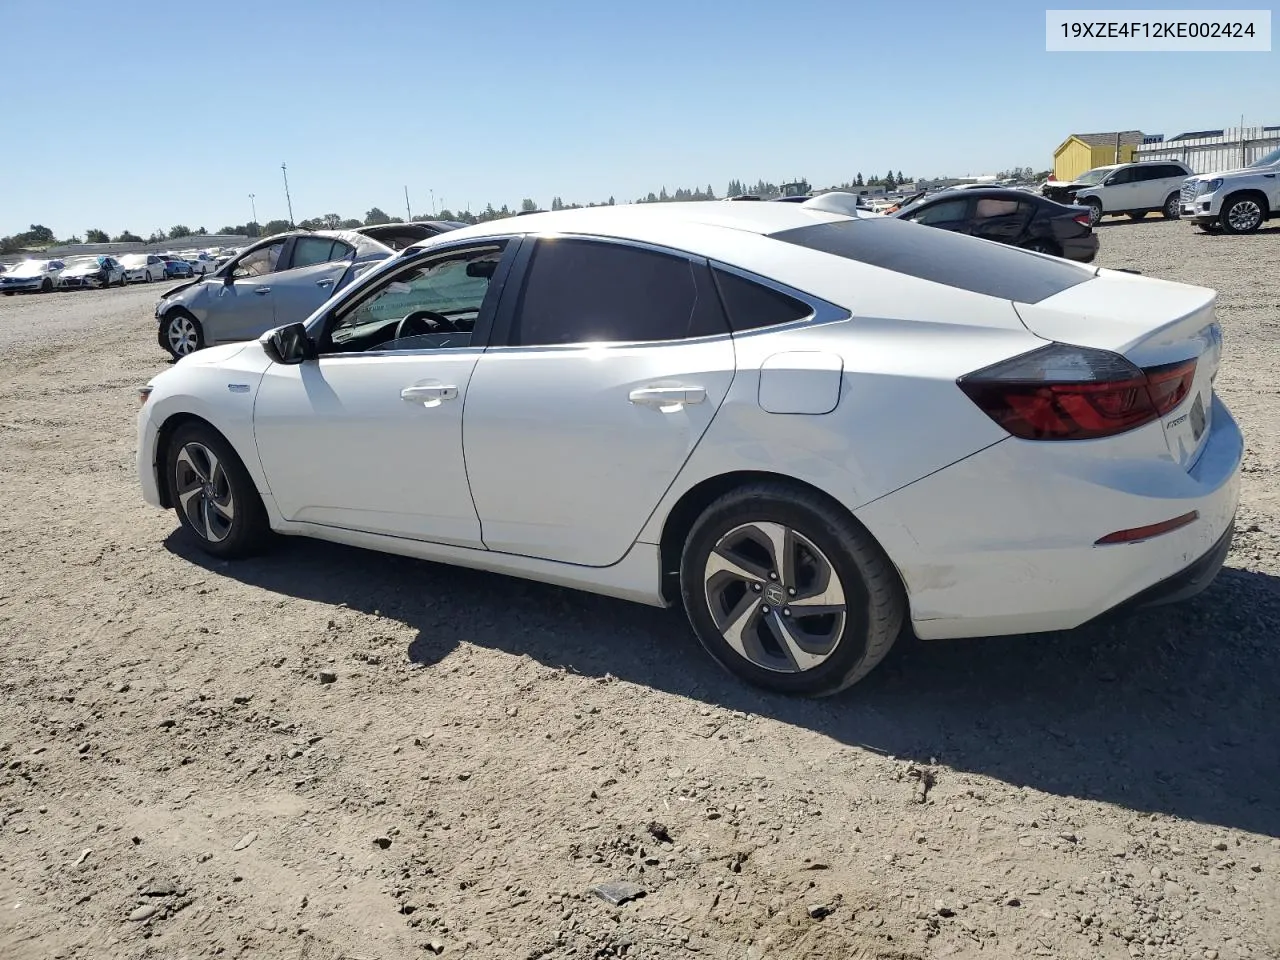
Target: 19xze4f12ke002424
x=804, y=428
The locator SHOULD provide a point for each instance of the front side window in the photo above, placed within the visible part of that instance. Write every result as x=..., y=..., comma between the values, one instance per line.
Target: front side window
x=1120, y=176
x=431, y=305
x=258, y=263
x=588, y=291
x=948, y=211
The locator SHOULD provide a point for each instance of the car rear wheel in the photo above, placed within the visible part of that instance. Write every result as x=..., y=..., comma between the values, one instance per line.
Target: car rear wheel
x=124, y=281
x=1172, y=209
x=181, y=333
x=1241, y=214
x=1095, y=211
x=213, y=494
x=46, y=285
x=789, y=592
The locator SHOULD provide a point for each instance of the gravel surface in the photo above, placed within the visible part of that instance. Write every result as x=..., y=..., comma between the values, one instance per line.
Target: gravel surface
x=325, y=753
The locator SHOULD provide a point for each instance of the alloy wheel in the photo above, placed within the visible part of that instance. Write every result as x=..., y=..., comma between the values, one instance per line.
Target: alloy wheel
x=1173, y=207
x=1244, y=215
x=775, y=597
x=182, y=335
x=204, y=492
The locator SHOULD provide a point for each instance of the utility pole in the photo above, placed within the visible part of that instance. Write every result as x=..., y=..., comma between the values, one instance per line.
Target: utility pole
x=433, y=203
x=287, y=200
x=408, y=212
x=253, y=208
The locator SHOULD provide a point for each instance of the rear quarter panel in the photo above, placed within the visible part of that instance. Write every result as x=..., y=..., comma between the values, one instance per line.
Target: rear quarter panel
x=900, y=415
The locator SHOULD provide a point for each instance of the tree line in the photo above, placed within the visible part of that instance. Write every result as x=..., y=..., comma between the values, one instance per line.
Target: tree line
x=41, y=236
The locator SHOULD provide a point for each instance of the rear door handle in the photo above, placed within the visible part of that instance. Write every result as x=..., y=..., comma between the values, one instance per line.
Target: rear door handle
x=261, y=291
x=667, y=396
x=429, y=394
x=326, y=282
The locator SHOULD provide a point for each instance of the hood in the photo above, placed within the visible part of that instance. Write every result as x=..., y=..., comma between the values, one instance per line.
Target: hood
x=78, y=268
x=1246, y=171
x=210, y=356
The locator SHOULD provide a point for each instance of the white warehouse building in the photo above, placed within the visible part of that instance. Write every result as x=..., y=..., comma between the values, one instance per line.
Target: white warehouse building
x=1212, y=151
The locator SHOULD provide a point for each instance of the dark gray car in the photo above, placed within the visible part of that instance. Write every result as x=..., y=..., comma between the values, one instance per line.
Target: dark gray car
x=277, y=280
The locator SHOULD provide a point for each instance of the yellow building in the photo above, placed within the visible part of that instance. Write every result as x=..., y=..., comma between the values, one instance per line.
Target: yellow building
x=1084, y=151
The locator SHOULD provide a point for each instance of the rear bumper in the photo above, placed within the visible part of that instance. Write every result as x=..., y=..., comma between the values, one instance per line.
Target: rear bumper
x=1003, y=542
x=1184, y=584
x=1081, y=249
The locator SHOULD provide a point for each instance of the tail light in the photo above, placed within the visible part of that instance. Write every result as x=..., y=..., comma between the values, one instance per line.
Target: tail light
x=1082, y=219
x=1064, y=392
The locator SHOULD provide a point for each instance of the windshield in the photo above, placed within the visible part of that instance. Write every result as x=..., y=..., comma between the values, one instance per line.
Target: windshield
x=1094, y=176
x=1267, y=159
x=29, y=268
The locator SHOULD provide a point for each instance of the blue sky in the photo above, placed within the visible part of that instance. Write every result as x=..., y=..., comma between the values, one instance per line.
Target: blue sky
x=141, y=117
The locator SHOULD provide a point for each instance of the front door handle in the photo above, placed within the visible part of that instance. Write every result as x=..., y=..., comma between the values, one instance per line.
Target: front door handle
x=262, y=291
x=429, y=394
x=667, y=396
x=326, y=282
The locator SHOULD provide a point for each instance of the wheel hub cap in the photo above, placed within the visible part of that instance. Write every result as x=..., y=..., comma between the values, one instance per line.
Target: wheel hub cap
x=204, y=492
x=775, y=597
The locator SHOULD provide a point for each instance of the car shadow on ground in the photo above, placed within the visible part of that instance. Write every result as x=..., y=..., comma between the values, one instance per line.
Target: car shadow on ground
x=1172, y=710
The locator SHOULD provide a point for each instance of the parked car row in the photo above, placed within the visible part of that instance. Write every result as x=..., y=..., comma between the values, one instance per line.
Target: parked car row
x=1234, y=201
x=38, y=275
x=808, y=428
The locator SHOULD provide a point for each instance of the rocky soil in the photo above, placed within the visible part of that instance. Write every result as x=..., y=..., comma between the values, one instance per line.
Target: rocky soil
x=325, y=753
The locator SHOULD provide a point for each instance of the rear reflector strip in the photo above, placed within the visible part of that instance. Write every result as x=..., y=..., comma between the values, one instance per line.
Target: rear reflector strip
x=1135, y=534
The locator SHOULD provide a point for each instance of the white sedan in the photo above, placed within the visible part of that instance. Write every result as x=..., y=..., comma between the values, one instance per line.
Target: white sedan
x=806, y=429
x=142, y=267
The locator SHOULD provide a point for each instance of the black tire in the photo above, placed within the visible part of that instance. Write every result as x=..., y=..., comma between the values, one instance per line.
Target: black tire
x=46, y=285
x=203, y=516
x=1137, y=215
x=174, y=333
x=123, y=280
x=1172, y=209
x=874, y=600
x=1242, y=213
x=1095, y=211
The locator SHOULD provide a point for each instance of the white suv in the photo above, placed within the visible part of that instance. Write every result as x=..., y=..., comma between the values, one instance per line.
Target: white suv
x=1133, y=188
x=1237, y=201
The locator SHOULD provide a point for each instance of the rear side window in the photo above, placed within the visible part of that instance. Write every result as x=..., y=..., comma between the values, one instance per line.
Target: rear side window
x=587, y=291
x=308, y=251
x=751, y=305
x=940, y=256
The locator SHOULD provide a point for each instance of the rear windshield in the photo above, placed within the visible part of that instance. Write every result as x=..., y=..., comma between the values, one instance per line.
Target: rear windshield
x=929, y=253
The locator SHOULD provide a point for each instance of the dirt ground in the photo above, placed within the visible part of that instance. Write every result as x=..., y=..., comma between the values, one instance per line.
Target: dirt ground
x=325, y=753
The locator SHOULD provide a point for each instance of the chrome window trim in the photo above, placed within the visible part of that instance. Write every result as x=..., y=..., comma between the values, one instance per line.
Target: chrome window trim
x=823, y=312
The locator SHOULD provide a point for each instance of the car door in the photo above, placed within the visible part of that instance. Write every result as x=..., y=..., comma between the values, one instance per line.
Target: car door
x=239, y=305
x=1002, y=219
x=609, y=363
x=368, y=435
x=1120, y=191
x=950, y=213
x=315, y=268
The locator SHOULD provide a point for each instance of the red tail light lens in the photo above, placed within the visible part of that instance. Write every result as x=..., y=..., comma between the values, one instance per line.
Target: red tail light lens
x=1063, y=392
x=1082, y=219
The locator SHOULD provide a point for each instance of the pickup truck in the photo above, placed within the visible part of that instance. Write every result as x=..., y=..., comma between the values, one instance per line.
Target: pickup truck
x=1235, y=201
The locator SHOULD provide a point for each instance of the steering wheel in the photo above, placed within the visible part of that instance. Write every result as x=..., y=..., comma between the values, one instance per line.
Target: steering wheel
x=423, y=321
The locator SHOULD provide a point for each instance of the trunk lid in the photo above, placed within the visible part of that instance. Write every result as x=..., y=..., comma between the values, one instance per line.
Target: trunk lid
x=1151, y=323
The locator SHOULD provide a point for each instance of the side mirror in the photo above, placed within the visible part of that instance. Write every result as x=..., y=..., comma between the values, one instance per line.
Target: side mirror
x=289, y=345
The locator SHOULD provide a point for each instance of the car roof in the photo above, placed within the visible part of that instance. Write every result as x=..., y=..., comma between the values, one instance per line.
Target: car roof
x=634, y=220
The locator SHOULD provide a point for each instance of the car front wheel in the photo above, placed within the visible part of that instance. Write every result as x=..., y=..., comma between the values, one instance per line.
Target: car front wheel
x=1172, y=207
x=787, y=591
x=1241, y=215
x=181, y=333
x=1095, y=211
x=213, y=494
